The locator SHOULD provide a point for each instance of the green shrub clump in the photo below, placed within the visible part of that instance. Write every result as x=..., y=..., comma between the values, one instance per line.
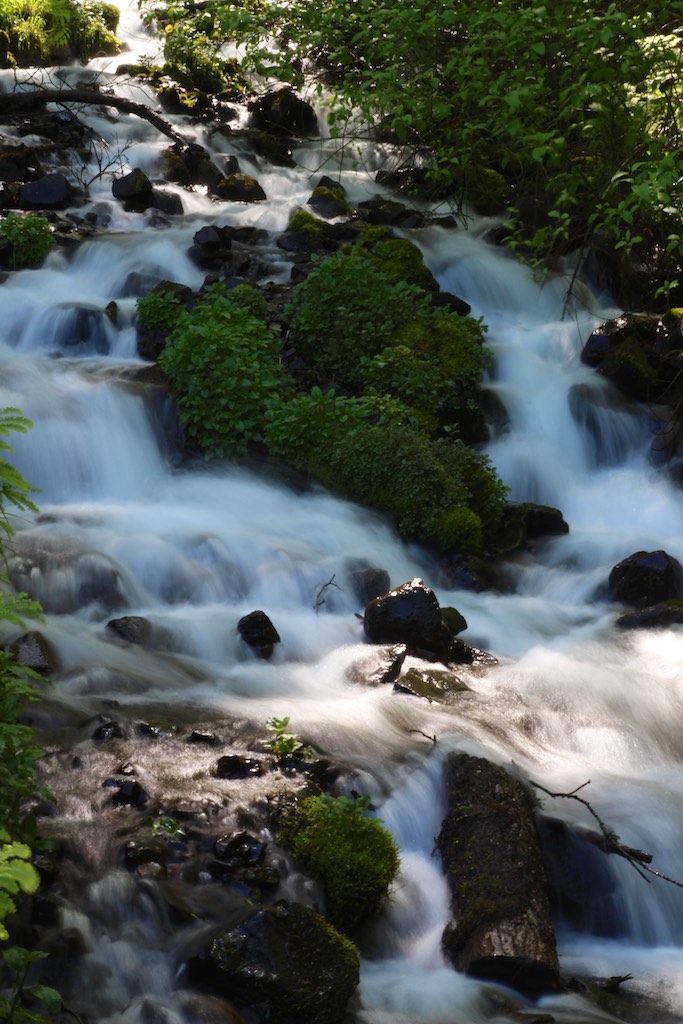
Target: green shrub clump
x=345, y=309
x=159, y=311
x=30, y=237
x=42, y=31
x=223, y=364
x=354, y=856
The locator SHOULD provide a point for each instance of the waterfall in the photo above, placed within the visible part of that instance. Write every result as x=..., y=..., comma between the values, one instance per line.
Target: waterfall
x=122, y=529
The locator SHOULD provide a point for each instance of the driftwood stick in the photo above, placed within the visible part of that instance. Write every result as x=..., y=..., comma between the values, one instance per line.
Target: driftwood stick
x=610, y=843
x=15, y=103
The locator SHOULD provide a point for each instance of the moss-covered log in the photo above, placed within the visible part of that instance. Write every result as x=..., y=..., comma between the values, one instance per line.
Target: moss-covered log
x=492, y=858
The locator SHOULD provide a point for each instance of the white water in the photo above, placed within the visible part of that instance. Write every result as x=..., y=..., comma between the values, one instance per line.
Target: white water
x=572, y=698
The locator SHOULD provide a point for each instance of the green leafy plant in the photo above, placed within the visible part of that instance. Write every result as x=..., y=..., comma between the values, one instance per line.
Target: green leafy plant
x=159, y=311
x=38, y=31
x=30, y=237
x=224, y=369
x=18, y=1002
x=353, y=855
x=347, y=308
x=284, y=744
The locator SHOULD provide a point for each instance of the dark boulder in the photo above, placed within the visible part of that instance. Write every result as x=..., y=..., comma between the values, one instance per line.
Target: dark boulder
x=369, y=582
x=52, y=191
x=211, y=245
x=257, y=630
x=657, y=616
x=646, y=578
x=192, y=165
x=328, y=201
x=410, y=614
x=628, y=351
x=286, y=963
x=237, y=766
x=275, y=148
x=446, y=300
x=383, y=666
x=524, y=522
x=239, y=188
x=435, y=685
x=134, y=185
x=492, y=858
x=379, y=210
x=284, y=111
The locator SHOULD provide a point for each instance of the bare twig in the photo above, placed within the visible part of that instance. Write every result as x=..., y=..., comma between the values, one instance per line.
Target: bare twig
x=638, y=859
x=319, y=599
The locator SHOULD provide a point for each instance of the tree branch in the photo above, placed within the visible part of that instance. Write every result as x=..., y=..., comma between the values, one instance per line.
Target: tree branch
x=15, y=103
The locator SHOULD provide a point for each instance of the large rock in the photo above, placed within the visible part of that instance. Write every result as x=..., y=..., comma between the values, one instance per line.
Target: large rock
x=257, y=630
x=286, y=962
x=134, y=185
x=646, y=578
x=52, y=191
x=410, y=614
x=284, y=111
x=491, y=854
x=239, y=188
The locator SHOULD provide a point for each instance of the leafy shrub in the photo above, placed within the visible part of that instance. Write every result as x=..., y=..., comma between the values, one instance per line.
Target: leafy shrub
x=402, y=260
x=224, y=370
x=38, y=30
x=193, y=60
x=353, y=855
x=455, y=529
x=247, y=297
x=30, y=237
x=347, y=308
x=159, y=311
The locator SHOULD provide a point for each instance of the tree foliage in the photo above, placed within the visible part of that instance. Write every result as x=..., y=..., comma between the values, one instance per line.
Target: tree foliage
x=575, y=103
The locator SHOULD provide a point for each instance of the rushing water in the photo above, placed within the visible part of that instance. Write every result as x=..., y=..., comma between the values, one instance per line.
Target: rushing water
x=123, y=530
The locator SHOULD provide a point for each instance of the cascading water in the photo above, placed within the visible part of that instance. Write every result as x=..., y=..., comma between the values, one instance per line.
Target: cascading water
x=194, y=549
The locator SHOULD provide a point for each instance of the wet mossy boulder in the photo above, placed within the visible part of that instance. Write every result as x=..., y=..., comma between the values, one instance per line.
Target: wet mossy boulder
x=350, y=853
x=286, y=963
x=328, y=201
x=402, y=260
x=502, y=929
x=628, y=351
x=488, y=191
x=523, y=522
x=307, y=234
x=239, y=188
x=410, y=614
x=647, y=578
x=276, y=148
x=191, y=165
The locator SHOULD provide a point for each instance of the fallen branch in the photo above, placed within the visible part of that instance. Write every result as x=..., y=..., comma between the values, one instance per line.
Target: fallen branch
x=611, y=843
x=15, y=103
x=319, y=599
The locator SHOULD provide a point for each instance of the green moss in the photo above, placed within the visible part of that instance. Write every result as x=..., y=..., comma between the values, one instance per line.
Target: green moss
x=488, y=191
x=353, y=855
x=456, y=529
x=628, y=366
x=313, y=230
x=402, y=260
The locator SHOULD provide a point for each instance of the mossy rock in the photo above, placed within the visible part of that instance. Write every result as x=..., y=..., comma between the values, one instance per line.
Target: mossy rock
x=627, y=366
x=456, y=529
x=286, y=962
x=353, y=856
x=276, y=149
x=329, y=203
x=239, y=188
x=488, y=191
x=401, y=260
x=437, y=685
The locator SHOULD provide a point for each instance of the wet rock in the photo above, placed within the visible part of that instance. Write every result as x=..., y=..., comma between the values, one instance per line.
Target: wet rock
x=52, y=191
x=455, y=621
x=108, y=731
x=328, y=200
x=192, y=165
x=657, y=616
x=127, y=793
x=410, y=614
x=205, y=739
x=239, y=188
x=133, y=628
x=238, y=766
x=34, y=651
x=493, y=864
x=526, y=521
x=383, y=666
x=20, y=162
x=379, y=210
x=257, y=630
x=286, y=963
x=211, y=245
x=275, y=148
x=284, y=111
x=166, y=202
x=646, y=578
x=368, y=583
x=204, y=1009
x=431, y=684
x=134, y=185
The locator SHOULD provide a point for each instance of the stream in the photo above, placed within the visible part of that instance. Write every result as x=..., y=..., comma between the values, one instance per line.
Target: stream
x=125, y=528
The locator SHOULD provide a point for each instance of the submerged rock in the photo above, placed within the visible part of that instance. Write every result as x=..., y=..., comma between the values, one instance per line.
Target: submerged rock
x=491, y=854
x=286, y=962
